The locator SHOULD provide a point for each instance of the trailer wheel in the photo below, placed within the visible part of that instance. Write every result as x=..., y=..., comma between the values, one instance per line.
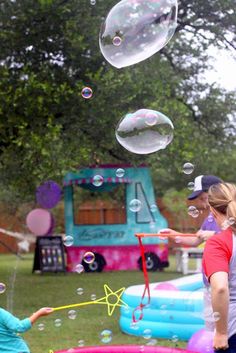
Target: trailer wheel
x=97, y=265
x=152, y=262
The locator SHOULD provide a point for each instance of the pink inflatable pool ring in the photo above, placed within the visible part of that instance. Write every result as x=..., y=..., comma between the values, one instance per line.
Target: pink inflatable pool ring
x=125, y=349
x=166, y=286
x=39, y=221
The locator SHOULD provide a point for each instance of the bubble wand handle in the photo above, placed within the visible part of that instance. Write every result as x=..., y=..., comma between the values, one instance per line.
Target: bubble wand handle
x=73, y=305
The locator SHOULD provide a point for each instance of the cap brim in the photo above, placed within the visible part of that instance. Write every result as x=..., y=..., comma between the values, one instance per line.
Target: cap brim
x=195, y=194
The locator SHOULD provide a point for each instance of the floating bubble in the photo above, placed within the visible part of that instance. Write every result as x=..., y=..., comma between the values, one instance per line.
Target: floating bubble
x=68, y=240
x=153, y=208
x=174, y=338
x=231, y=221
x=93, y=297
x=87, y=92
x=2, y=288
x=79, y=291
x=89, y=257
x=41, y=327
x=137, y=136
x=81, y=343
x=93, y=2
x=117, y=41
x=144, y=27
x=72, y=314
x=152, y=225
x=106, y=336
x=97, y=180
x=225, y=224
x=193, y=211
x=134, y=325
x=135, y=205
x=57, y=322
x=79, y=268
x=191, y=185
x=147, y=334
x=210, y=218
x=188, y=168
x=152, y=342
x=120, y=173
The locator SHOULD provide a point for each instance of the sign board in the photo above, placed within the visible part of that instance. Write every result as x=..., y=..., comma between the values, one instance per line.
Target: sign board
x=49, y=254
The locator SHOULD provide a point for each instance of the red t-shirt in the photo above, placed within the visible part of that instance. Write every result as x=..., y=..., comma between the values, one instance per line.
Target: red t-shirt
x=217, y=253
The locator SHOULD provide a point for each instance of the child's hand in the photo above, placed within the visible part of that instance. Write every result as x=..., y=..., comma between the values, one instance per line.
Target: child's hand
x=44, y=311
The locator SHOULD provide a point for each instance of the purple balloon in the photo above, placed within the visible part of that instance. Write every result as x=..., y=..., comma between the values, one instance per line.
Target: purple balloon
x=48, y=194
x=201, y=341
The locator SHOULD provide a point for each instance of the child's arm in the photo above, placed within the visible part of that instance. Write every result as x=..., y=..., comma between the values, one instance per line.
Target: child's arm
x=41, y=312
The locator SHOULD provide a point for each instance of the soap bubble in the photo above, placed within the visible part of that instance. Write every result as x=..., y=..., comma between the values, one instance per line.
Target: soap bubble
x=191, y=185
x=89, y=257
x=117, y=41
x=231, y=221
x=93, y=2
x=79, y=291
x=93, y=297
x=188, y=168
x=72, y=314
x=144, y=28
x=135, y=205
x=152, y=342
x=2, y=288
x=120, y=173
x=57, y=322
x=153, y=208
x=193, y=211
x=137, y=136
x=97, y=180
x=40, y=327
x=68, y=240
x=79, y=268
x=87, y=92
x=80, y=343
x=106, y=336
x=147, y=334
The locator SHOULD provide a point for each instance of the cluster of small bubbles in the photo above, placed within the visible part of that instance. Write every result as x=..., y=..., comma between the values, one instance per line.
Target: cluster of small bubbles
x=116, y=41
x=191, y=185
x=57, y=322
x=72, y=314
x=68, y=240
x=2, y=288
x=135, y=205
x=87, y=92
x=93, y=297
x=120, y=173
x=106, y=336
x=147, y=334
x=97, y=180
x=79, y=291
x=141, y=133
x=193, y=211
x=81, y=343
x=41, y=327
x=79, y=268
x=89, y=257
x=153, y=208
x=188, y=168
x=152, y=342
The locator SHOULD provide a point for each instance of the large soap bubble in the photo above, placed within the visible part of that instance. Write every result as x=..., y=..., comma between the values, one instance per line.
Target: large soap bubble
x=145, y=131
x=134, y=30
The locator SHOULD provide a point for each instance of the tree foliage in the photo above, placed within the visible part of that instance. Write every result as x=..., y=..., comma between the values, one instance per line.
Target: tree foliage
x=50, y=51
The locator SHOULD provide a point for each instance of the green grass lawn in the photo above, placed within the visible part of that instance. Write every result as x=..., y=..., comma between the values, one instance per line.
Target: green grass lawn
x=32, y=291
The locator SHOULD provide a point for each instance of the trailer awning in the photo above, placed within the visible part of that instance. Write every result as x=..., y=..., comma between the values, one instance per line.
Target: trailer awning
x=106, y=183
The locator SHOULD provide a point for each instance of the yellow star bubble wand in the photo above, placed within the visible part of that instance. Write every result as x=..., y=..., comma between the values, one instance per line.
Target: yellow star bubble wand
x=111, y=299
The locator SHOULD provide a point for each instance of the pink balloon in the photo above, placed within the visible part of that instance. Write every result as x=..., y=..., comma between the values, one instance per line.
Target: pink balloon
x=166, y=286
x=39, y=221
x=201, y=341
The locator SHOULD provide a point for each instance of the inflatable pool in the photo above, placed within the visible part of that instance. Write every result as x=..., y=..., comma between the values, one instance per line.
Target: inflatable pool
x=125, y=349
x=175, y=309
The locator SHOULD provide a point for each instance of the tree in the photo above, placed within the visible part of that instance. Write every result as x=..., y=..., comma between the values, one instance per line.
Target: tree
x=49, y=52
